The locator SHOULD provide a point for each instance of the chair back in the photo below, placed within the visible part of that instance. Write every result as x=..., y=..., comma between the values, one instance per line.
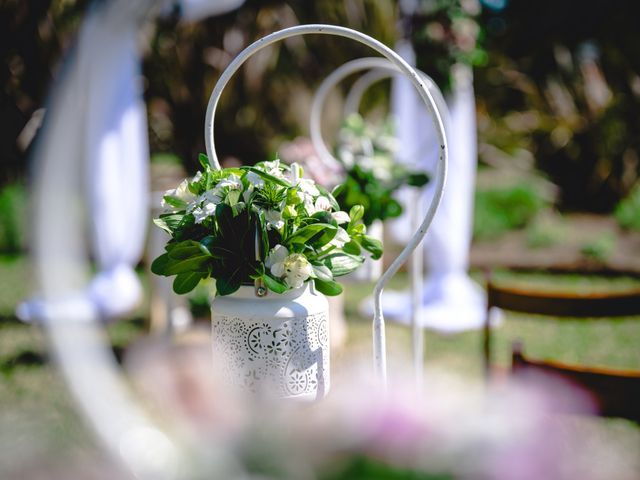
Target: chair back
x=615, y=392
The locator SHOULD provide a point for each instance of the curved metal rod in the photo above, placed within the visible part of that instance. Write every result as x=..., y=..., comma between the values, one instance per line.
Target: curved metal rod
x=361, y=85
x=381, y=69
x=379, y=345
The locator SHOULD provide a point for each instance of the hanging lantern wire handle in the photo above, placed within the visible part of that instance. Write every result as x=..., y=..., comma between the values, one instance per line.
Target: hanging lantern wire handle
x=379, y=342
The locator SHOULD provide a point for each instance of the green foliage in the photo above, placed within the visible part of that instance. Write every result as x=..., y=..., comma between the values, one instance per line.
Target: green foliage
x=239, y=225
x=362, y=467
x=372, y=176
x=546, y=230
x=501, y=210
x=13, y=215
x=568, y=96
x=447, y=33
x=600, y=248
x=627, y=212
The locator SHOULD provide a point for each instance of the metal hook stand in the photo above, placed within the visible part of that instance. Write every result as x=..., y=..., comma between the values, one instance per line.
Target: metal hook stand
x=379, y=340
x=378, y=69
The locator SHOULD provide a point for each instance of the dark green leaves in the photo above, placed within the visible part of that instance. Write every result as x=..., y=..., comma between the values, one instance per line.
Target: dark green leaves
x=185, y=282
x=329, y=288
x=417, y=179
x=372, y=245
x=274, y=285
x=317, y=230
x=229, y=284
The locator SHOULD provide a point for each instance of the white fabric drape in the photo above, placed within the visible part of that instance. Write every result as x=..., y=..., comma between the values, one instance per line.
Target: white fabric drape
x=451, y=300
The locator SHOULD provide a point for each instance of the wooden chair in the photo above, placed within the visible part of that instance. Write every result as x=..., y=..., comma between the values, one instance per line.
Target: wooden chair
x=615, y=392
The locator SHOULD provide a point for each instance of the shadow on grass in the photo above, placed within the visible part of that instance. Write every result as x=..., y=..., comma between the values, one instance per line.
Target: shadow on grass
x=26, y=358
x=9, y=320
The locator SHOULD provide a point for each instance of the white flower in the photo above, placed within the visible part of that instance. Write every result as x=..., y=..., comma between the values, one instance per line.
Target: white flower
x=308, y=187
x=197, y=177
x=294, y=268
x=211, y=196
x=208, y=209
x=232, y=182
x=308, y=205
x=322, y=203
x=182, y=193
x=275, y=260
x=272, y=168
x=274, y=219
x=341, y=238
x=255, y=180
x=341, y=217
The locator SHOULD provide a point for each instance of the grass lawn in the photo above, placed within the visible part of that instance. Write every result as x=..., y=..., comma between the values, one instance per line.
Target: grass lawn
x=37, y=415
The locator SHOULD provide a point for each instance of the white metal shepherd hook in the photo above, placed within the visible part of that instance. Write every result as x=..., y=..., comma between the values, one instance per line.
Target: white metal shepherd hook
x=379, y=69
x=379, y=342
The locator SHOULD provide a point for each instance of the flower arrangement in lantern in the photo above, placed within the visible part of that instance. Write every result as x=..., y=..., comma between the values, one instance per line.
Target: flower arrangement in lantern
x=262, y=223
x=255, y=230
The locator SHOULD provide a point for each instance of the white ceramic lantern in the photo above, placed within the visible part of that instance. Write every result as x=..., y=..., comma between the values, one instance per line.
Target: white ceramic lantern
x=277, y=344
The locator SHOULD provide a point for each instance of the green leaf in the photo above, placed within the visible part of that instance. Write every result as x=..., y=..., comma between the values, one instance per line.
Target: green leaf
x=304, y=234
x=325, y=217
x=206, y=243
x=169, y=221
x=274, y=285
x=372, y=245
x=227, y=286
x=332, y=199
x=417, y=179
x=160, y=265
x=185, y=249
x=352, y=247
x=356, y=213
x=159, y=222
x=342, y=263
x=204, y=161
x=232, y=197
x=174, y=202
x=192, y=264
x=329, y=288
x=268, y=177
x=185, y=282
x=322, y=272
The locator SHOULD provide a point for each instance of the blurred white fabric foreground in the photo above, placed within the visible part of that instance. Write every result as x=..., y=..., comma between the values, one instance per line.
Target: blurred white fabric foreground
x=451, y=301
x=96, y=118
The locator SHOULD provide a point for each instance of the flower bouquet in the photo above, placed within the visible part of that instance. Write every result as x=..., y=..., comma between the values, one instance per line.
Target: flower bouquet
x=255, y=230
x=372, y=176
x=261, y=224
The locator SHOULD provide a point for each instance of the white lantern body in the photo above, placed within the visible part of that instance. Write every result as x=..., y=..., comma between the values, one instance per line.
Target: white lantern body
x=276, y=345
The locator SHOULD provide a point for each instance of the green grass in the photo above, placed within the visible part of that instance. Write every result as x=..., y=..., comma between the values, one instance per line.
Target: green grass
x=37, y=411
x=609, y=342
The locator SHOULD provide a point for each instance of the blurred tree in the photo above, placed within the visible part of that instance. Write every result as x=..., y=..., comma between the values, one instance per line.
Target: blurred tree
x=266, y=102
x=269, y=100
x=571, y=73
x=35, y=34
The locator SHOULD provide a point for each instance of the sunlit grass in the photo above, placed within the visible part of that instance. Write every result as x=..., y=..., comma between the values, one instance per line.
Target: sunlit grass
x=35, y=401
